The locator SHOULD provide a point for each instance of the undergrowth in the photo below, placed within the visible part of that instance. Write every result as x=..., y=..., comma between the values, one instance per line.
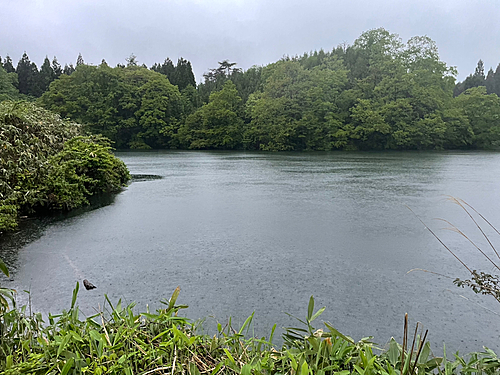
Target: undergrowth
x=119, y=341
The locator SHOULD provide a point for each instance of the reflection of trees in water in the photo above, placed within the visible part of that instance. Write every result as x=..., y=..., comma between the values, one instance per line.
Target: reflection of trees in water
x=31, y=229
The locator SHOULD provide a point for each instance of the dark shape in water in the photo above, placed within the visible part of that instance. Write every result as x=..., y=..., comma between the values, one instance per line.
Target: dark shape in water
x=88, y=285
x=144, y=177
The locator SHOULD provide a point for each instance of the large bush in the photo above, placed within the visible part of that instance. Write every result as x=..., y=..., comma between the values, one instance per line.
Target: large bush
x=38, y=170
x=83, y=168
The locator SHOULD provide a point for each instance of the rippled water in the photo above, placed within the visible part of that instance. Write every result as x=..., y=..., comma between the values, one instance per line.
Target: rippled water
x=244, y=232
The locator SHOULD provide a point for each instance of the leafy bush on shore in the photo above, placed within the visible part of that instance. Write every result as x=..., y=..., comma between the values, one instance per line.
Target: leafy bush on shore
x=83, y=168
x=43, y=165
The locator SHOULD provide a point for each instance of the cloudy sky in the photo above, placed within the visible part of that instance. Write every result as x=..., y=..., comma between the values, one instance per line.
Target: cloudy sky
x=249, y=32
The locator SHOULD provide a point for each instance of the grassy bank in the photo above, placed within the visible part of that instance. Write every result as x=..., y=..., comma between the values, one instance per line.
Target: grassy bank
x=118, y=340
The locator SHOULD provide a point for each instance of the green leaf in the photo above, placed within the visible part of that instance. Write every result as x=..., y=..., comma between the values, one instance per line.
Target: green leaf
x=67, y=366
x=247, y=321
x=63, y=344
x=393, y=352
x=310, y=308
x=359, y=370
x=175, y=294
x=229, y=356
x=76, y=336
x=9, y=362
x=3, y=268
x=304, y=369
x=75, y=294
x=246, y=369
x=318, y=313
x=336, y=333
x=217, y=368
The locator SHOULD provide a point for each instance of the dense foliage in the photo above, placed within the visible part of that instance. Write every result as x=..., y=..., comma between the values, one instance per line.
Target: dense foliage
x=119, y=341
x=133, y=106
x=378, y=93
x=44, y=165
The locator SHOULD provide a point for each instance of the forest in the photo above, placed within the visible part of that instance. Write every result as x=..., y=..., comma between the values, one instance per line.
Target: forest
x=377, y=94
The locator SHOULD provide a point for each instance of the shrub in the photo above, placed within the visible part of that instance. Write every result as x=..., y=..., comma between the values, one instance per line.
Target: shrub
x=44, y=163
x=83, y=168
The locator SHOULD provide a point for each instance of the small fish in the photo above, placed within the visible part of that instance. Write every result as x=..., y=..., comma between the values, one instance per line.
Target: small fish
x=88, y=285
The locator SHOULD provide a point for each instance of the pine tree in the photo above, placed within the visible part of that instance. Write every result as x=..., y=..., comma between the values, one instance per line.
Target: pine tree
x=24, y=74
x=79, y=60
x=496, y=81
x=7, y=65
x=479, y=70
x=167, y=69
x=183, y=75
x=35, y=87
x=490, y=81
x=56, y=68
x=46, y=75
x=68, y=69
x=131, y=60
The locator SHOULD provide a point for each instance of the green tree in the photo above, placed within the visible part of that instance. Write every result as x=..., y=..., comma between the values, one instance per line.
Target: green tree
x=298, y=108
x=183, y=75
x=56, y=68
x=46, y=75
x=8, y=88
x=117, y=103
x=483, y=112
x=167, y=69
x=27, y=74
x=79, y=60
x=132, y=60
x=216, y=125
x=159, y=115
x=68, y=69
x=8, y=66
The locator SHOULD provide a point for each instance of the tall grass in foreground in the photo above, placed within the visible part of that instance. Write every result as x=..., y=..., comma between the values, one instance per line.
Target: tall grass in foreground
x=119, y=341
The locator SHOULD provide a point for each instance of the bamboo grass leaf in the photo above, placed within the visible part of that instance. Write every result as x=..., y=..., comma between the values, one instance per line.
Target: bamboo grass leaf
x=3, y=268
x=63, y=344
x=75, y=294
x=318, y=313
x=67, y=366
x=304, y=369
x=247, y=322
x=310, y=308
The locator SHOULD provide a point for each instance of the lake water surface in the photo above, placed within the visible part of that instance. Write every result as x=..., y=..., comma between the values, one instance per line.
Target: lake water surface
x=244, y=232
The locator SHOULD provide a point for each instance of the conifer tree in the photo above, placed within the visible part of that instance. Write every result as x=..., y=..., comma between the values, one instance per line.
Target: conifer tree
x=496, y=81
x=167, y=69
x=35, y=87
x=68, y=69
x=131, y=60
x=79, y=60
x=56, y=68
x=24, y=74
x=183, y=75
x=46, y=75
x=7, y=65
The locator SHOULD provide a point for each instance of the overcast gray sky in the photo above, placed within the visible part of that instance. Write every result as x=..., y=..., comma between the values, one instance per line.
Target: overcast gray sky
x=249, y=32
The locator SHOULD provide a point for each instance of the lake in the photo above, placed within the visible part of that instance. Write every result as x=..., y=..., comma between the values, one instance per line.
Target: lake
x=243, y=232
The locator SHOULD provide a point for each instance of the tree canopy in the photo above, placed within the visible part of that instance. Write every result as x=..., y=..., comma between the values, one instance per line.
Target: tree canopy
x=378, y=93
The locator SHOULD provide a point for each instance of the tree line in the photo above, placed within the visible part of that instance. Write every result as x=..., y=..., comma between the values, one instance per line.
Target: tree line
x=378, y=93
x=33, y=82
